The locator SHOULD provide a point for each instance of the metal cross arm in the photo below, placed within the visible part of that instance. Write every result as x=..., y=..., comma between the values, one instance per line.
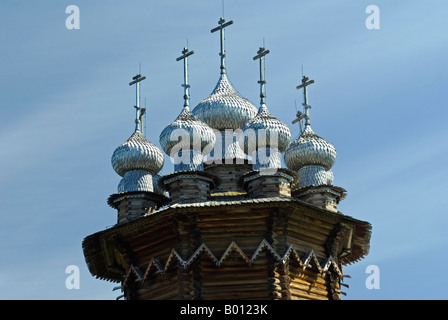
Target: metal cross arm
x=185, y=53
x=299, y=116
x=305, y=83
x=138, y=78
x=261, y=53
x=222, y=25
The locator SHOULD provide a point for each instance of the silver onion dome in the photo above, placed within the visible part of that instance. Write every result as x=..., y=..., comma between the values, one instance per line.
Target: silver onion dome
x=268, y=130
x=225, y=108
x=310, y=149
x=137, y=153
x=186, y=125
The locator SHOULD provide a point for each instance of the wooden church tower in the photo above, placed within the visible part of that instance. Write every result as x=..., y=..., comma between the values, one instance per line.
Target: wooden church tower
x=229, y=222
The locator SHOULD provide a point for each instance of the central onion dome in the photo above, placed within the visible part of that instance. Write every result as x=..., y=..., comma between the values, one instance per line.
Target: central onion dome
x=186, y=125
x=225, y=108
x=137, y=153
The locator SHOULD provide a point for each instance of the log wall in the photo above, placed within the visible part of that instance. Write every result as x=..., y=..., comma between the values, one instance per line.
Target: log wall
x=220, y=254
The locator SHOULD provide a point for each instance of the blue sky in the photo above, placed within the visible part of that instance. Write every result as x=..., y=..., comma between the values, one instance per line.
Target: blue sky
x=65, y=105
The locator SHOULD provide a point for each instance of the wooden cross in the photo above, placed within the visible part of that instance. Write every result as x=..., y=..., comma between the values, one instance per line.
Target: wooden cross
x=222, y=24
x=260, y=55
x=184, y=56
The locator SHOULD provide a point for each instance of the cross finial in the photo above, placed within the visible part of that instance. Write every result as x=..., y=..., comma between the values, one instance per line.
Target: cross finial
x=184, y=56
x=305, y=83
x=299, y=118
x=260, y=55
x=139, y=111
x=222, y=24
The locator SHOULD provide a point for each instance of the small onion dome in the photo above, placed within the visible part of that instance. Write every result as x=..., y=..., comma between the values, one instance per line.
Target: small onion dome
x=137, y=153
x=310, y=149
x=225, y=108
x=265, y=126
x=199, y=134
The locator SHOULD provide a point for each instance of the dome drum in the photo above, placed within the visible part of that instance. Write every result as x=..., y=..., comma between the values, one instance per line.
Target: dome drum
x=227, y=146
x=314, y=176
x=188, y=160
x=136, y=180
x=264, y=158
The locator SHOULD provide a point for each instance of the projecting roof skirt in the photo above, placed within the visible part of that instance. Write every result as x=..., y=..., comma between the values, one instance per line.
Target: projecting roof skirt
x=99, y=265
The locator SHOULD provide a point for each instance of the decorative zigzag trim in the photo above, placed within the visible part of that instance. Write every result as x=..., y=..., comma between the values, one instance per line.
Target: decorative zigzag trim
x=137, y=274
x=330, y=263
x=233, y=247
x=308, y=261
x=154, y=267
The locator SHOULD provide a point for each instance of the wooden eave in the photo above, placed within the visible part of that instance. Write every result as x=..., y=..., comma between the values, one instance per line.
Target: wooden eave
x=99, y=255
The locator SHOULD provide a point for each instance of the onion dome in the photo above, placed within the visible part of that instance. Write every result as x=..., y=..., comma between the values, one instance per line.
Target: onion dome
x=225, y=108
x=186, y=125
x=310, y=149
x=265, y=126
x=137, y=153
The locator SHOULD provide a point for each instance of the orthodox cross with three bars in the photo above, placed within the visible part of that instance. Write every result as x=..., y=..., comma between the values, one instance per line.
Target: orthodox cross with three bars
x=222, y=25
x=139, y=111
x=260, y=55
x=305, y=83
x=184, y=56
